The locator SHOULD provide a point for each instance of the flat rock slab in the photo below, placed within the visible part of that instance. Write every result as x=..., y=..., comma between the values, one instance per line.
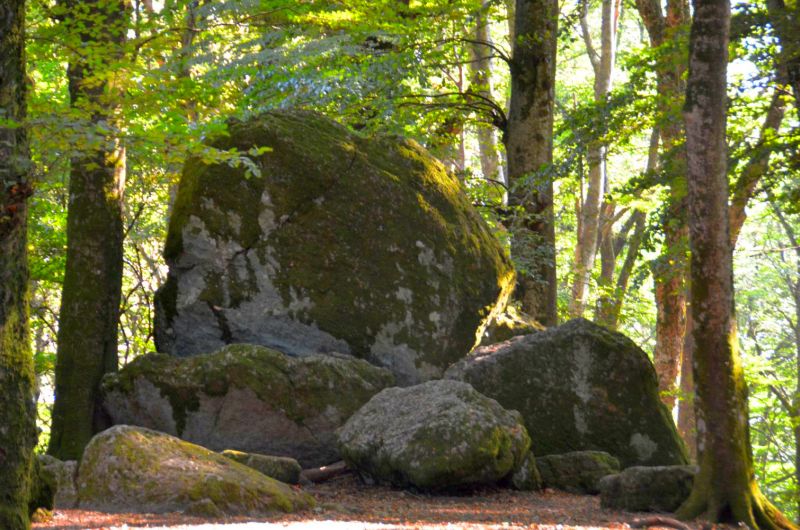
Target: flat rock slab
x=246, y=398
x=579, y=387
x=434, y=436
x=132, y=469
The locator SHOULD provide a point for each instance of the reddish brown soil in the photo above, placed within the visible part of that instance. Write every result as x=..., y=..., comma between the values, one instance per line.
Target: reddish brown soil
x=345, y=499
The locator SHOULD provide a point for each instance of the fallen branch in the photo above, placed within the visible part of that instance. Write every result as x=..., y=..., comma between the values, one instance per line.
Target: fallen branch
x=658, y=520
x=321, y=474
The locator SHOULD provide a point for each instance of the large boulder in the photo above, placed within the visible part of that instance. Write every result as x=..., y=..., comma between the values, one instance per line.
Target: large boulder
x=579, y=387
x=643, y=489
x=248, y=398
x=433, y=436
x=329, y=241
x=131, y=469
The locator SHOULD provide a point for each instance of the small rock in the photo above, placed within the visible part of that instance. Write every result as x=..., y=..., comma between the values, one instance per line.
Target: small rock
x=63, y=474
x=656, y=489
x=527, y=477
x=280, y=468
x=578, y=471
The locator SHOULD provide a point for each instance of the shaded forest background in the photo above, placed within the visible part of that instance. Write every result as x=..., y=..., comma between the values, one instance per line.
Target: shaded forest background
x=439, y=72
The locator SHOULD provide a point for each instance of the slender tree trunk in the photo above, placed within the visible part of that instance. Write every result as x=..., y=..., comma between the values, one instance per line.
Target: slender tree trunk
x=671, y=268
x=88, y=321
x=792, y=404
x=609, y=305
x=757, y=166
x=603, y=64
x=529, y=148
x=725, y=488
x=17, y=408
x=481, y=84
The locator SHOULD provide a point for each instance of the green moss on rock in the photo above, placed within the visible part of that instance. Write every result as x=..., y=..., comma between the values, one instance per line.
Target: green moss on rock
x=135, y=469
x=342, y=243
x=578, y=471
x=579, y=386
x=246, y=397
x=433, y=436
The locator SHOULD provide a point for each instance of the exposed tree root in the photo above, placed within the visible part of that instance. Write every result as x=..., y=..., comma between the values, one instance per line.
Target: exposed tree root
x=658, y=520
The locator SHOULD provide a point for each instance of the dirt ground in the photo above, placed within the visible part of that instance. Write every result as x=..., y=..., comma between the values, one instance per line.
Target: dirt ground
x=345, y=503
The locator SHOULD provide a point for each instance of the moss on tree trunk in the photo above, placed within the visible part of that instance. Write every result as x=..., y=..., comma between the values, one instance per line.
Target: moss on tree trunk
x=87, y=336
x=529, y=148
x=725, y=489
x=17, y=413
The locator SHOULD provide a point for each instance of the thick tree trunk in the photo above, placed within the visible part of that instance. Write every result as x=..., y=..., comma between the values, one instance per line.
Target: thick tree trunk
x=481, y=84
x=17, y=408
x=603, y=64
x=725, y=488
x=687, y=419
x=87, y=335
x=529, y=148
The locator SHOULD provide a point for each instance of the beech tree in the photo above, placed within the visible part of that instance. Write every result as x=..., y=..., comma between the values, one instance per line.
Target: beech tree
x=17, y=412
x=725, y=489
x=87, y=335
x=529, y=148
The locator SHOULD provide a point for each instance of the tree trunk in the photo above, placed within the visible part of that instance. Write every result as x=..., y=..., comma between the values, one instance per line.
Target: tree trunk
x=687, y=419
x=725, y=489
x=757, y=166
x=670, y=269
x=87, y=335
x=481, y=70
x=603, y=64
x=17, y=408
x=529, y=148
x=609, y=305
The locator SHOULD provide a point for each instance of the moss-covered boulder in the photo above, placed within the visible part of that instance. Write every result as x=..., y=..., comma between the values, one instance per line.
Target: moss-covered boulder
x=280, y=468
x=578, y=471
x=132, y=469
x=647, y=489
x=245, y=397
x=335, y=243
x=433, y=436
x=579, y=387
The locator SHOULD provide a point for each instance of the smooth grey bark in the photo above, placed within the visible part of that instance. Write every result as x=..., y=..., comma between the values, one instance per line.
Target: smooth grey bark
x=481, y=84
x=17, y=408
x=529, y=150
x=590, y=212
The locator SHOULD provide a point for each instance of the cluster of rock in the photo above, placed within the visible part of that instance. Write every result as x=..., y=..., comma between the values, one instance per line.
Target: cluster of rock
x=299, y=294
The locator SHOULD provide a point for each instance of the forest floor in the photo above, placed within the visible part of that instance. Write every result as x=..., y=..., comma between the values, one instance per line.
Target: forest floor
x=345, y=503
